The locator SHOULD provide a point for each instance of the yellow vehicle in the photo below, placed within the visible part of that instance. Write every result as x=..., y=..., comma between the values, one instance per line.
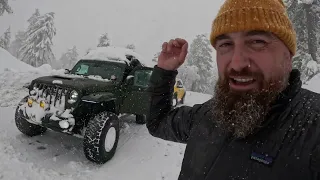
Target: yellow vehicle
x=179, y=93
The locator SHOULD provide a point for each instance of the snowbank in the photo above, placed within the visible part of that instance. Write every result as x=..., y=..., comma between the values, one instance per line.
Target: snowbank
x=313, y=84
x=12, y=82
x=7, y=61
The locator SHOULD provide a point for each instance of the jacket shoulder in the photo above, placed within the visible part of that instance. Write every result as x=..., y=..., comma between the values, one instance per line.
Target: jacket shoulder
x=311, y=100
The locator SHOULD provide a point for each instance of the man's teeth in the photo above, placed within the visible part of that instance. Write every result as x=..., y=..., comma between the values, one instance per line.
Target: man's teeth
x=243, y=79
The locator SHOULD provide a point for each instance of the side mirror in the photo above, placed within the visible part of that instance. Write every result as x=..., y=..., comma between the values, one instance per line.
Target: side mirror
x=66, y=71
x=129, y=80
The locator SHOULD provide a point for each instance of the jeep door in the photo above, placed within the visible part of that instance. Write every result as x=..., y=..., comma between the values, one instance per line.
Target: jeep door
x=136, y=99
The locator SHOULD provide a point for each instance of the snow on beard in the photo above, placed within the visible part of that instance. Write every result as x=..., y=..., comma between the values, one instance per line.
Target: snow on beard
x=240, y=113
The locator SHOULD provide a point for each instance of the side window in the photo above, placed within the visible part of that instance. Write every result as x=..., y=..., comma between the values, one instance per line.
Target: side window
x=142, y=77
x=82, y=69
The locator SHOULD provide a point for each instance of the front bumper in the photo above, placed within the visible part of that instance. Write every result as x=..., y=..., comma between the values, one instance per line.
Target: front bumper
x=41, y=113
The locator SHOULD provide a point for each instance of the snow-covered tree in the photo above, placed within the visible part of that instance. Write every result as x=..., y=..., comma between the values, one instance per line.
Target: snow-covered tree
x=131, y=46
x=4, y=7
x=308, y=67
x=69, y=58
x=34, y=17
x=17, y=43
x=104, y=40
x=189, y=75
x=5, y=39
x=200, y=56
x=36, y=50
x=155, y=57
x=305, y=15
x=306, y=20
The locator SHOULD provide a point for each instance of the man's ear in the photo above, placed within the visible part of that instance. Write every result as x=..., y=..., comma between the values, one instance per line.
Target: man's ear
x=288, y=61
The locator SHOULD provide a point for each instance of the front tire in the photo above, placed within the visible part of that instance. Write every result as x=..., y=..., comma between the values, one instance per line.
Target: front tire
x=24, y=126
x=101, y=137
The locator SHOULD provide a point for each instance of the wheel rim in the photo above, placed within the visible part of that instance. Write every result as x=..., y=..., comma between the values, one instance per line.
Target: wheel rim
x=110, y=139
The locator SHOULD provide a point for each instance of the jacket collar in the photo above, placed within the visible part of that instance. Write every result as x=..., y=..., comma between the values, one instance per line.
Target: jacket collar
x=285, y=97
x=292, y=89
x=294, y=86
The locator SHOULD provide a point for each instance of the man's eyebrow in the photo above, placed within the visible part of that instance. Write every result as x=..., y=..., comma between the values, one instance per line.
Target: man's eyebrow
x=221, y=37
x=263, y=33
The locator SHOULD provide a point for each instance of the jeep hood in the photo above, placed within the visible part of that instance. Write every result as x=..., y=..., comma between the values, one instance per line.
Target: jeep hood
x=75, y=82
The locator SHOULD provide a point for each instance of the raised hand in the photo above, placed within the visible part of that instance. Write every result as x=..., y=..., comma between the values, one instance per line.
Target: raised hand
x=173, y=54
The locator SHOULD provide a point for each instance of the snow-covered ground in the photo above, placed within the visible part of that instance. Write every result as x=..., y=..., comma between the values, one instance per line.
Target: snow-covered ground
x=58, y=156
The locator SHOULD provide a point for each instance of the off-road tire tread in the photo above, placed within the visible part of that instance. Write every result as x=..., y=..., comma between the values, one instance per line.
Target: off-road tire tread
x=93, y=150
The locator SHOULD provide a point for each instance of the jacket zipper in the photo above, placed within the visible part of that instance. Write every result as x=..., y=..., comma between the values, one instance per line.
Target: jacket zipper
x=227, y=143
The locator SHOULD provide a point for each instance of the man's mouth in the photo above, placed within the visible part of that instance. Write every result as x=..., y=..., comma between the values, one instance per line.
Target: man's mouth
x=242, y=83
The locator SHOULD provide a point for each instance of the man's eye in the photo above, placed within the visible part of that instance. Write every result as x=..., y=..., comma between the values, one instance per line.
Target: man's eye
x=225, y=45
x=257, y=43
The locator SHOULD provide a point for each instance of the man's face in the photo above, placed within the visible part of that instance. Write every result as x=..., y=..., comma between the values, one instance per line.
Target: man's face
x=249, y=60
x=253, y=68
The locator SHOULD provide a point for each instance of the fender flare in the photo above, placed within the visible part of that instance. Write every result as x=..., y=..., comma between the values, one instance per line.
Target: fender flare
x=99, y=97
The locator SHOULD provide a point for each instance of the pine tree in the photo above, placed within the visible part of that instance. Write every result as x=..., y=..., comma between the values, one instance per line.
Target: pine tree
x=34, y=17
x=131, y=46
x=4, y=7
x=69, y=58
x=200, y=57
x=36, y=49
x=17, y=43
x=5, y=39
x=104, y=40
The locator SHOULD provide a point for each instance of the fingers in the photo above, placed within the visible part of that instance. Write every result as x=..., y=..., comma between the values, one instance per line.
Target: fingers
x=181, y=41
x=184, y=52
x=174, y=43
x=170, y=45
x=164, y=47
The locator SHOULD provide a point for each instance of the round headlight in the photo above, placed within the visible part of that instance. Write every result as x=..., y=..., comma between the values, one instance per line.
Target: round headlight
x=73, y=97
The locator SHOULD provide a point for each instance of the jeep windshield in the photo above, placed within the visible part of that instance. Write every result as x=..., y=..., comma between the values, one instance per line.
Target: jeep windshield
x=104, y=69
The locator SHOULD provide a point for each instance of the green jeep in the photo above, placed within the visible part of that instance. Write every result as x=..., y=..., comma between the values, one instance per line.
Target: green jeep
x=87, y=102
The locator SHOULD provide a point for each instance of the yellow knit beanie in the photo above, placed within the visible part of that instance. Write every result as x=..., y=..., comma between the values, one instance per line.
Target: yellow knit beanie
x=248, y=15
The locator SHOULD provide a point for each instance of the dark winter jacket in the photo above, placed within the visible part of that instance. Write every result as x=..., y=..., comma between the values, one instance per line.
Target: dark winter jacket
x=287, y=147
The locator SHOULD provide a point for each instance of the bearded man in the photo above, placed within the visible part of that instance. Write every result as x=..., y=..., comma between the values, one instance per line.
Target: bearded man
x=260, y=124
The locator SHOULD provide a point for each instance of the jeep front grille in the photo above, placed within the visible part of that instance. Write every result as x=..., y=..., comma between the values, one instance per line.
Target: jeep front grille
x=55, y=95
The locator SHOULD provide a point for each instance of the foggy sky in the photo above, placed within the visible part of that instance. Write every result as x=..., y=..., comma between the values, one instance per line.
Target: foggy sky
x=146, y=23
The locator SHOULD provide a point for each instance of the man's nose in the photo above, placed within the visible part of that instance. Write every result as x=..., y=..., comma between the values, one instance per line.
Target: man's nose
x=239, y=59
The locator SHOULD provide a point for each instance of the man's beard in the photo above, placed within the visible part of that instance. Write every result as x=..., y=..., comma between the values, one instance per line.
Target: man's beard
x=241, y=113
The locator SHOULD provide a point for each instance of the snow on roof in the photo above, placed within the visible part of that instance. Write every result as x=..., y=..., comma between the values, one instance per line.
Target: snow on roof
x=110, y=53
x=7, y=61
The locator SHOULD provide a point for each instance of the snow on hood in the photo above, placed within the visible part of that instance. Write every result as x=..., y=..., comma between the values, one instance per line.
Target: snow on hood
x=7, y=61
x=112, y=53
x=93, y=77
